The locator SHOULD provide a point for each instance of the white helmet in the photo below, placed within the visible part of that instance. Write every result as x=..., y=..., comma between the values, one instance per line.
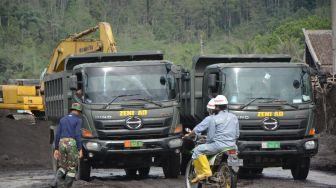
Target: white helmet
x=211, y=104
x=221, y=100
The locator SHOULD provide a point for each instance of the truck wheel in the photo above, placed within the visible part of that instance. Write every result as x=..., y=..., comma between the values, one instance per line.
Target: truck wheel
x=256, y=170
x=300, y=168
x=249, y=172
x=131, y=172
x=187, y=146
x=244, y=172
x=143, y=172
x=171, y=167
x=185, y=159
x=84, y=170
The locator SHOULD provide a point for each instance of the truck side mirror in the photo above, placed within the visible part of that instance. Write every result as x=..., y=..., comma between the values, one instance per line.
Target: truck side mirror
x=212, y=80
x=73, y=82
x=162, y=80
x=296, y=84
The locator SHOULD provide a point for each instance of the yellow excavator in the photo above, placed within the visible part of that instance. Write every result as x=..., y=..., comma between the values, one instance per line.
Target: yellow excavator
x=19, y=96
x=19, y=99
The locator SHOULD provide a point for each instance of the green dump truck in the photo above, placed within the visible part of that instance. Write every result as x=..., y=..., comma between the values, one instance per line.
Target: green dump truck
x=272, y=99
x=130, y=110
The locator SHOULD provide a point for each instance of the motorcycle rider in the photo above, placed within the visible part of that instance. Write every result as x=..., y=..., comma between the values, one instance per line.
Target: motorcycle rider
x=211, y=106
x=201, y=127
x=222, y=132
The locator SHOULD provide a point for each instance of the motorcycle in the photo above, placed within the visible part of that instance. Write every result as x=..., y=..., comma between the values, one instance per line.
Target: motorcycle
x=224, y=166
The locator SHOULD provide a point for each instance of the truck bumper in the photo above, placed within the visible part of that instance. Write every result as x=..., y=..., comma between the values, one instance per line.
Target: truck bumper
x=287, y=147
x=113, y=154
x=255, y=156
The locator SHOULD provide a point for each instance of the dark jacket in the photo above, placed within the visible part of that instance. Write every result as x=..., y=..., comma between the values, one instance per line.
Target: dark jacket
x=69, y=127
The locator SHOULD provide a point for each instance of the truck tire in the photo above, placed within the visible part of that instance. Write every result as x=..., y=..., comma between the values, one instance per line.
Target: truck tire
x=171, y=167
x=84, y=170
x=244, y=172
x=187, y=147
x=249, y=172
x=184, y=162
x=256, y=170
x=143, y=172
x=131, y=172
x=300, y=168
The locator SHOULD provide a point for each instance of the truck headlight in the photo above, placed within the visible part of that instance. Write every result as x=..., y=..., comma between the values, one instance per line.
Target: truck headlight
x=175, y=143
x=92, y=146
x=310, y=145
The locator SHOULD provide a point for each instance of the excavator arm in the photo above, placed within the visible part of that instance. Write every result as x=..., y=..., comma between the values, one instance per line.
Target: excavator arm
x=20, y=97
x=75, y=45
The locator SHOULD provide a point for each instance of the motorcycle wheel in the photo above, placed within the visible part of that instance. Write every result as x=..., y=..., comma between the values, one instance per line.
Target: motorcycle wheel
x=226, y=176
x=190, y=174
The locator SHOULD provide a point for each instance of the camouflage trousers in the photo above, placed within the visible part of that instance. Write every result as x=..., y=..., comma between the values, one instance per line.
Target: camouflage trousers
x=69, y=156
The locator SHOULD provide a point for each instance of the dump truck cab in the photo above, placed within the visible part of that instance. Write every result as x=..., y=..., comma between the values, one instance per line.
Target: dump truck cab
x=273, y=101
x=130, y=111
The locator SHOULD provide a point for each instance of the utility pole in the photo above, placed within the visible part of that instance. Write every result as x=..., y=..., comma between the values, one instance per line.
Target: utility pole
x=333, y=20
x=202, y=43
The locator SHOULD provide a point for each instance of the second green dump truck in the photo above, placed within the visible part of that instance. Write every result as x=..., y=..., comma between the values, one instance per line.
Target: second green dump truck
x=272, y=99
x=130, y=110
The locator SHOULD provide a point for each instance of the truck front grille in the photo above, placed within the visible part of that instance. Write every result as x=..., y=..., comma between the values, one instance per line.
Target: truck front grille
x=289, y=129
x=116, y=129
x=259, y=127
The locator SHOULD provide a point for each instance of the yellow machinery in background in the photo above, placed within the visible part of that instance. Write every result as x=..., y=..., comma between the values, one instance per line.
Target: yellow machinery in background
x=21, y=95
x=30, y=97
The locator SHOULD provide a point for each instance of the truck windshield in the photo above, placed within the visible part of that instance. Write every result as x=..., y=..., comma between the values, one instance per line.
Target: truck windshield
x=153, y=83
x=288, y=85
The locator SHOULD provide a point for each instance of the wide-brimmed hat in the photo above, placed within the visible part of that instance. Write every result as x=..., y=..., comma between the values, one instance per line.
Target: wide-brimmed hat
x=76, y=106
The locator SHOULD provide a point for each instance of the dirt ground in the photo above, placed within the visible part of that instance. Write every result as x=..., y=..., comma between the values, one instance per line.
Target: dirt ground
x=25, y=160
x=325, y=159
x=24, y=145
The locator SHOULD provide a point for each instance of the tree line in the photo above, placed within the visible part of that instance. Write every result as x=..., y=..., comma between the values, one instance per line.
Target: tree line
x=29, y=30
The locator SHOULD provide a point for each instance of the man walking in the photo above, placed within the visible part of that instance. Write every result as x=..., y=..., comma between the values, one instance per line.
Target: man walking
x=68, y=146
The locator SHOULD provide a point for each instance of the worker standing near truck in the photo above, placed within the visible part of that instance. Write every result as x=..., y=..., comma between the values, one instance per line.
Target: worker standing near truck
x=222, y=131
x=68, y=146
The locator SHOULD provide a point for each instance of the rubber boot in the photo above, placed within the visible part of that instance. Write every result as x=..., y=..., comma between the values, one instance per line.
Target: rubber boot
x=202, y=167
x=198, y=169
x=59, y=178
x=68, y=181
